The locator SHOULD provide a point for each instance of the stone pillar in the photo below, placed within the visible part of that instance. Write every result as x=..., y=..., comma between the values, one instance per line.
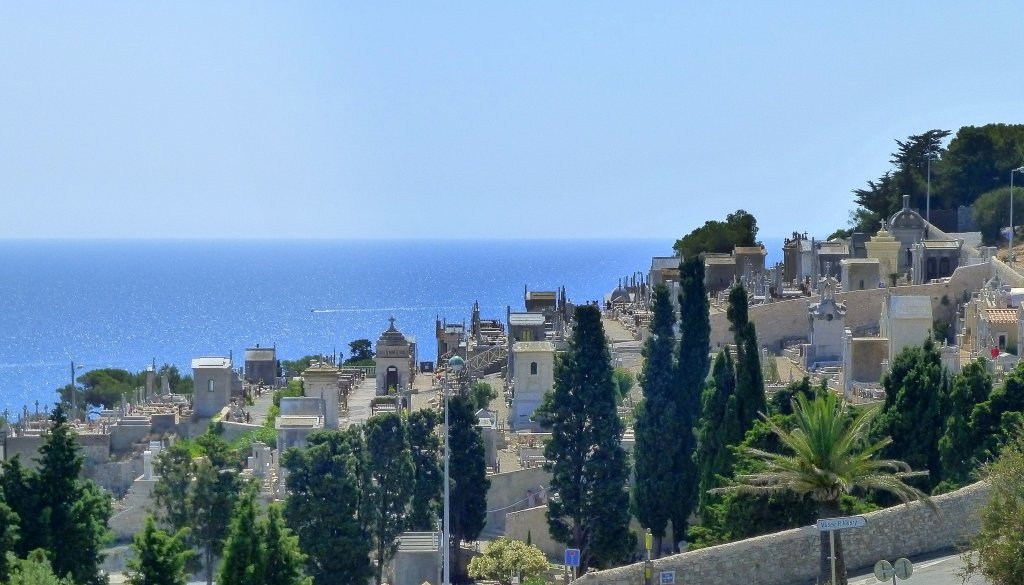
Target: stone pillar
x=147, y=465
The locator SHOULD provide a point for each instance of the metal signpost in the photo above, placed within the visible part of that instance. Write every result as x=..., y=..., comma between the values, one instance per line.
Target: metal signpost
x=830, y=525
x=572, y=559
x=647, y=562
x=900, y=569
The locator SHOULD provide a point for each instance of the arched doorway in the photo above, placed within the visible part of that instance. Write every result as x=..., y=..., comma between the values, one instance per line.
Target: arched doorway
x=391, y=378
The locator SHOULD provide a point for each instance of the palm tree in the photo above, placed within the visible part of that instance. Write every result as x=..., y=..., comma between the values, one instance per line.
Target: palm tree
x=830, y=456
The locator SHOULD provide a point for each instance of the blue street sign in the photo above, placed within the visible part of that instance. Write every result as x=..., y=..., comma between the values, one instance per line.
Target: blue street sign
x=572, y=557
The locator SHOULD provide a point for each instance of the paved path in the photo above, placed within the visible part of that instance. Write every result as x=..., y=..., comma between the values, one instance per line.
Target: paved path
x=359, y=403
x=258, y=411
x=928, y=570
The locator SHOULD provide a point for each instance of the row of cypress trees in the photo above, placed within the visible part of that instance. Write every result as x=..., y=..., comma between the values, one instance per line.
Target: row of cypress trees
x=685, y=423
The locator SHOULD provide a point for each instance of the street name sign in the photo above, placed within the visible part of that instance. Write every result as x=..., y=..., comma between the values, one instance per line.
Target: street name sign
x=667, y=578
x=572, y=557
x=829, y=524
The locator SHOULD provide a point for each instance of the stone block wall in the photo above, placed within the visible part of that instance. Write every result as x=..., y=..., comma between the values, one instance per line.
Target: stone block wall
x=792, y=556
x=508, y=494
x=533, y=523
x=130, y=513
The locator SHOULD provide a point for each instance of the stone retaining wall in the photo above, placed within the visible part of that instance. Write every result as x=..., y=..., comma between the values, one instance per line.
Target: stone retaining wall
x=792, y=556
x=784, y=320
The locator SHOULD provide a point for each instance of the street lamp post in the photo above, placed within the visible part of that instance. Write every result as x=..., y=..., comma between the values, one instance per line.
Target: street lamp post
x=454, y=365
x=74, y=392
x=1009, y=249
x=928, y=197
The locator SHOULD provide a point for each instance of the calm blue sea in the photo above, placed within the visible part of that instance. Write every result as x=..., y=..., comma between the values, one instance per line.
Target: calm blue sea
x=124, y=303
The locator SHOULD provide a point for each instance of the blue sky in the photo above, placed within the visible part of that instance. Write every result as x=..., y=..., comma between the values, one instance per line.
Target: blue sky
x=472, y=119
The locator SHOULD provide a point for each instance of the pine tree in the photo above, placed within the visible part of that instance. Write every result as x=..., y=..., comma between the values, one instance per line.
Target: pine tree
x=323, y=506
x=692, y=364
x=159, y=557
x=389, y=490
x=283, y=561
x=655, y=453
x=243, y=550
x=468, y=492
x=588, y=466
x=425, y=446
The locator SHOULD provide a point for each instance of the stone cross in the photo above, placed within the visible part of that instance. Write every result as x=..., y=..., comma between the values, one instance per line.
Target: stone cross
x=392, y=321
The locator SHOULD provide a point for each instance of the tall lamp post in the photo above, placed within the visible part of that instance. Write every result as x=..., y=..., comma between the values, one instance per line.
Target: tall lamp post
x=454, y=365
x=928, y=198
x=74, y=391
x=1009, y=248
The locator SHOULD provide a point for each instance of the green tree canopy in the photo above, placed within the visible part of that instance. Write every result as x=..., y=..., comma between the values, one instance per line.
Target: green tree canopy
x=504, y=558
x=324, y=507
x=738, y=229
x=193, y=493
x=360, y=350
x=34, y=570
x=9, y=522
x=69, y=509
x=392, y=475
x=825, y=456
x=1001, y=539
x=961, y=446
x=992, y=214
x=482, y=394
x=624, y=381
x=244, y=547
x=283, y=560
x=160, y=558
x=914, y=416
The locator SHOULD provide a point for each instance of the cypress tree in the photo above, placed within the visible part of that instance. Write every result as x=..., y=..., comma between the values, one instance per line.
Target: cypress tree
x=691, y=371
x=719, y=427
x=655, y=451
x=468, y=492
x=750, y=397
x=425, y=446
x=588, y=466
